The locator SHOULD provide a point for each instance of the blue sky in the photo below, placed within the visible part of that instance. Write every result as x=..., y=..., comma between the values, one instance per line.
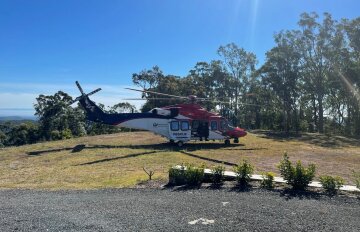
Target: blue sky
x=46, y=45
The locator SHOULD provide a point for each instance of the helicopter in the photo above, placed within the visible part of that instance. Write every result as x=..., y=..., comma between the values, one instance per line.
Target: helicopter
x=178, y=123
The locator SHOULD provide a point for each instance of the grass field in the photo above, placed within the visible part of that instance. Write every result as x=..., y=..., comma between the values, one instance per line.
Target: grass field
x=117, y=160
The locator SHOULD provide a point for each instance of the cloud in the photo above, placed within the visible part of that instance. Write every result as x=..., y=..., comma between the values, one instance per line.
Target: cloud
x=17, y=100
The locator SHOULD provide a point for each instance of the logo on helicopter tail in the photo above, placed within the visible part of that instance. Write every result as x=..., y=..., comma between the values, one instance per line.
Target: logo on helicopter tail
x=155, y=124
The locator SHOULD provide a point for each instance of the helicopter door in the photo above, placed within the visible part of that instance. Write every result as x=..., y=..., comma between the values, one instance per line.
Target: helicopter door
x=194, y=128
x=200, y=129
x=180, y=130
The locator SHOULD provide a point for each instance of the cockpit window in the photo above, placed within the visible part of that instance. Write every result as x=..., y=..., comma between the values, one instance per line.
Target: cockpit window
x=174, y=125
x=184, y=125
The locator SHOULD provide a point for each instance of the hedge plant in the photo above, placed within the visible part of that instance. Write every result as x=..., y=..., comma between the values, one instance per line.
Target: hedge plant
x=297, y=176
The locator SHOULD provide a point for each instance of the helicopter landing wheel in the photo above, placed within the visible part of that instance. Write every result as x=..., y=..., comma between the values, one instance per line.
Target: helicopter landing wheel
x=236, y=140
x=180, y=143
x=227, y=142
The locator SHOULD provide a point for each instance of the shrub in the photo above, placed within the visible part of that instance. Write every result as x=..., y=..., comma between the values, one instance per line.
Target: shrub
x=55, y=135
x=244, y=172
x=331, y=184
x=298, y=177
x=177, y=176
x=187, y=174
x=267, y=181
x=357, y=179
x=217, y=174
x=66, y=134
x=194, y=175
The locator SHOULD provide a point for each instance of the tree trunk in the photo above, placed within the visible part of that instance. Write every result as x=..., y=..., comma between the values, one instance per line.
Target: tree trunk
x=236, y=107
x=315, y=115
x=321, y=115
x=348, y=120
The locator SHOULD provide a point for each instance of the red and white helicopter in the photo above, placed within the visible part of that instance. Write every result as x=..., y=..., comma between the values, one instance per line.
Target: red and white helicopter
x=178, y=123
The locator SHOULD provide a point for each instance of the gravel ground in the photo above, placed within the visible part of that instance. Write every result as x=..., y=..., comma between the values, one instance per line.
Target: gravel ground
x=175, y=210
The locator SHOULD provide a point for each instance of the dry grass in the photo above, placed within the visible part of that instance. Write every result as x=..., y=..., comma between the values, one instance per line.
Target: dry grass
x=117, y=160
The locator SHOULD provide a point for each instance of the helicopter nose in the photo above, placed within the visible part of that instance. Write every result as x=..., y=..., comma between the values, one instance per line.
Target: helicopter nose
x=243, y=133
x=237, y=133
x=240, y=132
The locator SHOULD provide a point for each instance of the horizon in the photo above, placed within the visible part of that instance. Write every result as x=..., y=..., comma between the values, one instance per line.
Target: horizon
x=47, y=46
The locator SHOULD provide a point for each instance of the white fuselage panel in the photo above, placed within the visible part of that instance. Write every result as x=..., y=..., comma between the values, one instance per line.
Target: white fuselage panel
x=162, y=127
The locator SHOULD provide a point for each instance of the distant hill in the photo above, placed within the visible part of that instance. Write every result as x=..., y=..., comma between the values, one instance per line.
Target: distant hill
x=17, y=118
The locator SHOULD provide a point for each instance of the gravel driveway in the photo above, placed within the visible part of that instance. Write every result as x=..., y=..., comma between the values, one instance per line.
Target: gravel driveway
x=169, y=210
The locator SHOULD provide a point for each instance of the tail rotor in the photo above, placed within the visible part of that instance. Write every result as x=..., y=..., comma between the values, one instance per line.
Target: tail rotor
x=83, y=95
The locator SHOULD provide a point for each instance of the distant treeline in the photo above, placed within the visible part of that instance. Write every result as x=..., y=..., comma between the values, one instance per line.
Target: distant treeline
x=309, y=82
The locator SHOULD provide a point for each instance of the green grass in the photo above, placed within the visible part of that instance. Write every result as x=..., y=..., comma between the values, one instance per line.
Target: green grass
x=109, y=161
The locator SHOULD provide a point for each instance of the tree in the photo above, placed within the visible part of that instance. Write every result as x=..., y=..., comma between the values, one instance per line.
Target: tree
x=281, y=73
x=56, y=114
x=148, y=79
x=3, y=139
x=122, y=107
x=351, y=73
x=24, y=133
x=241, y=65
x=169, y=84
x=208, y=80
x=315, y=44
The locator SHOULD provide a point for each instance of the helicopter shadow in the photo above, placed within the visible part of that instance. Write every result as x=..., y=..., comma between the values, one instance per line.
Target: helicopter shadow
x=207, y=159
x=156, y=147
x=118, y=157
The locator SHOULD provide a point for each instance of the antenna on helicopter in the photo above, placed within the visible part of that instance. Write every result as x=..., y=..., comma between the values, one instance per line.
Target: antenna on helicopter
x=83, y=95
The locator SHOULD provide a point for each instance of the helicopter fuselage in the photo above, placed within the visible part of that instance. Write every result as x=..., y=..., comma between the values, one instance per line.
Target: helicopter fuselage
x=181, y=123
x=178, y=123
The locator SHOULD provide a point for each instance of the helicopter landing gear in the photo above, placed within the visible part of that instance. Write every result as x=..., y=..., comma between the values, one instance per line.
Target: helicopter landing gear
x=227, y=142
x=180, y=143
x=236, y=140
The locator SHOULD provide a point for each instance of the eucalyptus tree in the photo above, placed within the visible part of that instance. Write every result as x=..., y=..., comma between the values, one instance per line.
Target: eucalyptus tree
x=241, y=65
x=351, y=73
x=148, y=79
x=56, y=116
x=209, y=80
x=281, y=73
x=123, y=107
x=168, y=84
x=315, y=44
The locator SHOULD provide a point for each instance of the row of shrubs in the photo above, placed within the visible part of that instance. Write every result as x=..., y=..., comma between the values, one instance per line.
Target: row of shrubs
x=297, y=176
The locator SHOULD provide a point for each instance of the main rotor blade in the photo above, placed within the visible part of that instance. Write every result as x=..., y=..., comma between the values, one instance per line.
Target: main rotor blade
x=79, y=87
x=228, y=103
x=210, y=100
x=156, y=98
x=249, y=104
x=163, y=94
